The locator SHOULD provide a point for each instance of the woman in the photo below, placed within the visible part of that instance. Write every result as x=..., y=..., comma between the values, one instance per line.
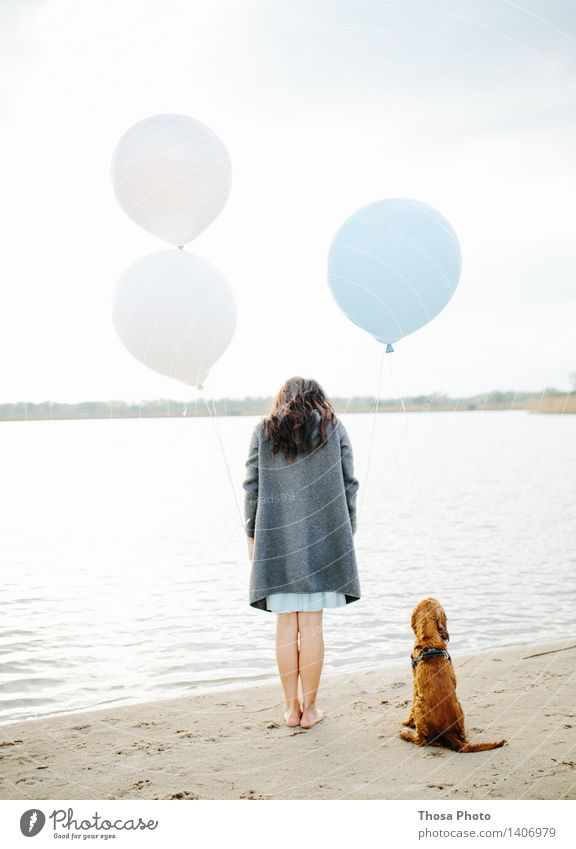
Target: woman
x=300, y=509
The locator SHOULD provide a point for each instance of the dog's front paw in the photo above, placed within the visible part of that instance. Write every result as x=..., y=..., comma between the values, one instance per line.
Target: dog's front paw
x=409, y=722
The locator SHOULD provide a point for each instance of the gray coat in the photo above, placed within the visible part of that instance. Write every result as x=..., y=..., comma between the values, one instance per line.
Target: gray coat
x=302, y=515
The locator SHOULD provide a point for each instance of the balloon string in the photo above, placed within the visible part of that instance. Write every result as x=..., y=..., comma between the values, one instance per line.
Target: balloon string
x=372, y=432
x=398, y=396
x=212, y=414
x=403, y=432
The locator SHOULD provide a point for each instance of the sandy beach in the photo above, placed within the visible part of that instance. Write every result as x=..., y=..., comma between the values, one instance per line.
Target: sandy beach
x=233, y=745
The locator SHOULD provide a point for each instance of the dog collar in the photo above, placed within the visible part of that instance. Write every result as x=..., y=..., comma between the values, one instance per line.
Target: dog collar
x=428, y=653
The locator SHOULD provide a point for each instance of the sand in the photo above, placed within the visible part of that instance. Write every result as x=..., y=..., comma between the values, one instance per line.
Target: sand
x=233, y=745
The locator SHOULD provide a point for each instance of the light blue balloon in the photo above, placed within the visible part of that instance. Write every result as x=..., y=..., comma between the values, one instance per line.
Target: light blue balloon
x=393, y=266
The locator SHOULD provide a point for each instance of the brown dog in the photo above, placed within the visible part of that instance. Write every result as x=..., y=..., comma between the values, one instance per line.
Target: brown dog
x=436, y=714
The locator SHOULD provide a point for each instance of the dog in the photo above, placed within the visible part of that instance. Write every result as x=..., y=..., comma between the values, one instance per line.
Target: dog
x=436, y=714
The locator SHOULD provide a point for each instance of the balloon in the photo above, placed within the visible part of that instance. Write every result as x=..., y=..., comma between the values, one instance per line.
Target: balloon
x=393, y=266
x=175, y=313
x=171, y=175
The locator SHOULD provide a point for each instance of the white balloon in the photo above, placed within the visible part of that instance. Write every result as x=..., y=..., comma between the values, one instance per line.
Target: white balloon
x=175, y=313
x=171, y=175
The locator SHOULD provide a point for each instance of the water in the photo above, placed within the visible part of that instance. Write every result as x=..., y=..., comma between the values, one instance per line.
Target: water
x=123, y=568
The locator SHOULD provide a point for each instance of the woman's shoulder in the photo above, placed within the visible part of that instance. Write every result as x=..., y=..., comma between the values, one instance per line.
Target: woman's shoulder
x=261, y=427
x=340, y=428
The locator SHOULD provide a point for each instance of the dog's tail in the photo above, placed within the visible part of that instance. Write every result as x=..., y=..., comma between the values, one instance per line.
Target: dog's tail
x=480, y=747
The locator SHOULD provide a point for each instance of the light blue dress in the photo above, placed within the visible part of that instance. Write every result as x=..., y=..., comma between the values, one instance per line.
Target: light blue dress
x=303, y=602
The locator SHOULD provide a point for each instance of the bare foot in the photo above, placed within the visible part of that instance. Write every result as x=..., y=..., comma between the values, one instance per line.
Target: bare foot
x=311, y=716
x=292, y=717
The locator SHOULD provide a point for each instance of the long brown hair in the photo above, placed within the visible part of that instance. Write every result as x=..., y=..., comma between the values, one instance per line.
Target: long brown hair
x=291, y=425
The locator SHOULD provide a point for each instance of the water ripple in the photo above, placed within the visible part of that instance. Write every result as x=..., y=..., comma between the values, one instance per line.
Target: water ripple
x=151, y=601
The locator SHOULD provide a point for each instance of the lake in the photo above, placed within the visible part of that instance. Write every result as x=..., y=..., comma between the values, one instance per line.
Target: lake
x=124, y=567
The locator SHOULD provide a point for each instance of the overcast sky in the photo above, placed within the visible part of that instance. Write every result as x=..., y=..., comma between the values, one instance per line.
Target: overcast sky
x=324, y=106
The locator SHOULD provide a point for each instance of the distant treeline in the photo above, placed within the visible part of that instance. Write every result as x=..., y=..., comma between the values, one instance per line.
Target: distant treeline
x=549, y=400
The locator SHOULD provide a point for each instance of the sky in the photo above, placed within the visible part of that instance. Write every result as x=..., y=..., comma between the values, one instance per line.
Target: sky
x=468, y=105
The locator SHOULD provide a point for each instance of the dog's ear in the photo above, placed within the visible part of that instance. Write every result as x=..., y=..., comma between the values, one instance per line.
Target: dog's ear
x=442, y=623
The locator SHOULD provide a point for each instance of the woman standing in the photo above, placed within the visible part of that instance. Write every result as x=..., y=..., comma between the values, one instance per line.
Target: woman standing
x=300, y=509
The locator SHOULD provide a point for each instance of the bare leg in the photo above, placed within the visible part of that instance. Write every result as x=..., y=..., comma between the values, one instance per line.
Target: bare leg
x=311, y=660
x=287, y=659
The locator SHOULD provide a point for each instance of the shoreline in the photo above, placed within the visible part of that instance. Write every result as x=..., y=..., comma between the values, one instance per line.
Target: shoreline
x=232, y=744
x=545, y=402
x=540, y=409
x=249, y=684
